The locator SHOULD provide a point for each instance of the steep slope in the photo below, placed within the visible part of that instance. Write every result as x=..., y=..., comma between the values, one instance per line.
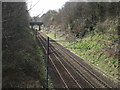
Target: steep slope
x=22, y=58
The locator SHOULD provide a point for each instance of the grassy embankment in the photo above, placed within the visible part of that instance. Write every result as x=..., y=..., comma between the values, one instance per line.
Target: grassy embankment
x=99, y=49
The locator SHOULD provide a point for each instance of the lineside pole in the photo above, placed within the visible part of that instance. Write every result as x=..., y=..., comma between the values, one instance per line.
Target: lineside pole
x=47, y=58
x=74, y=41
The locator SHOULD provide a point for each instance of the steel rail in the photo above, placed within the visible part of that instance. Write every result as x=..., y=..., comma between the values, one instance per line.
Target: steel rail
x=65, y=69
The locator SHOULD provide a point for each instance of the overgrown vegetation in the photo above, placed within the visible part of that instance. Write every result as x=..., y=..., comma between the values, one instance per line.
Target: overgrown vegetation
x=22, y=58
x=95, y=26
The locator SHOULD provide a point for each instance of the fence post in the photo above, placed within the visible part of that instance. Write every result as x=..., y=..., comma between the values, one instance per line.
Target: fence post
x=47, y=58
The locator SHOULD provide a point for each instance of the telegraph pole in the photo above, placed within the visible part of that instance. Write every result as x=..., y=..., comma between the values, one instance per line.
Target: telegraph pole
x=47, y=58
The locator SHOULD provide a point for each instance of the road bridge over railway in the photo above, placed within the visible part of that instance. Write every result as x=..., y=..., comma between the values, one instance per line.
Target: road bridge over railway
x=36, y=23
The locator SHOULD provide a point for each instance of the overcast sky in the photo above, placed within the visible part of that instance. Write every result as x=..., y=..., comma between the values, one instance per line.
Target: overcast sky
x=44, y=5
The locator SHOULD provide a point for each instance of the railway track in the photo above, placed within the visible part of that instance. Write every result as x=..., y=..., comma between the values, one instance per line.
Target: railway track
x=71, y=70
x=66, y=77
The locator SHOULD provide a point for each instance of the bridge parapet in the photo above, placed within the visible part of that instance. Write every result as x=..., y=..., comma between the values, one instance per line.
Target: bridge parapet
x=36, y=23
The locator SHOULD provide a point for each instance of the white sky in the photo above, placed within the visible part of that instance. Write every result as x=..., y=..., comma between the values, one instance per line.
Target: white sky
x=44, y=5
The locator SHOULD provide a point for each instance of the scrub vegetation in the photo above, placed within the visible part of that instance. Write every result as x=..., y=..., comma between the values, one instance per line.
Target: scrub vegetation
x=90, y=30
x=22, y=58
